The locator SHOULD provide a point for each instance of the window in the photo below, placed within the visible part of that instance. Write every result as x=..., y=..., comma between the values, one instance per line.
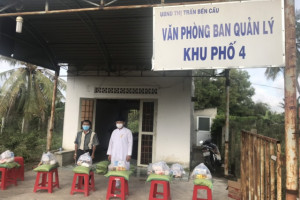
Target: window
x=148, y=117
x=87, y=107
x=146, y=151
x=203, y=124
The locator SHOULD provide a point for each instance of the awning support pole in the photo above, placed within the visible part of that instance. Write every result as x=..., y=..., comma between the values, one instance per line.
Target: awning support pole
x=51, y=125
x=290, y=101
x=226, y=159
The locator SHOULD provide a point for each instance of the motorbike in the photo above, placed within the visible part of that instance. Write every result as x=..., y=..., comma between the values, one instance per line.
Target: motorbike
x=211, y=155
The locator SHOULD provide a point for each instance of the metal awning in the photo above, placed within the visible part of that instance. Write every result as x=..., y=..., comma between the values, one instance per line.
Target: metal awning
x=114, y=37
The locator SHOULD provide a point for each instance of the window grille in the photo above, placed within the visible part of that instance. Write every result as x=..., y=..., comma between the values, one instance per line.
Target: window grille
x=123, y=90
x=148, y=116
x=87, y=108
x=146, y=152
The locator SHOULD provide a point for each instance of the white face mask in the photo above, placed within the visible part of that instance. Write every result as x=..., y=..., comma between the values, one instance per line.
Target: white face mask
x=119, y=125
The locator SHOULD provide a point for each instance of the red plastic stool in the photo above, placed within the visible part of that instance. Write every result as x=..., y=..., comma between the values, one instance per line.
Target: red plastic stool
x=8, y=177
x=166, y=190
x=46, y=184
x=112, y=189
x=20, y=170
x=201, y=187
x=83, y=179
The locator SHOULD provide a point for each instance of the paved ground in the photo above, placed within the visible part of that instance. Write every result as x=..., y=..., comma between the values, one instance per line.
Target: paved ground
x=138, y=188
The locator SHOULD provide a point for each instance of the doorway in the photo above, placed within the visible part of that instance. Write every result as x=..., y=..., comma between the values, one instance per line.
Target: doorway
x=140, y=118
x=107, y=111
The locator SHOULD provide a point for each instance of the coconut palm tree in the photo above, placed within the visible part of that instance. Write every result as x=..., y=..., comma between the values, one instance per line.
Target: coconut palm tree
x=27, y=90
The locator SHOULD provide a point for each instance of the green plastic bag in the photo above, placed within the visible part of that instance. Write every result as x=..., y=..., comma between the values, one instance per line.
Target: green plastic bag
x=9, y=165
x=124, y=174
x=45, y=168
x=101, y=171
x=102, y=165
x=204, y=182
x=132, y=168
x=82, y=170
x=158, y=177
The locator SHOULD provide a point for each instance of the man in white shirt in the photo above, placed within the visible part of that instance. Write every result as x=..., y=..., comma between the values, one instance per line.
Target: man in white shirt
x=120, y=144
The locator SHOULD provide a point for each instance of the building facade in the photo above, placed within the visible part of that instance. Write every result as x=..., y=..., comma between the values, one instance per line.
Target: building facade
x=163, y=103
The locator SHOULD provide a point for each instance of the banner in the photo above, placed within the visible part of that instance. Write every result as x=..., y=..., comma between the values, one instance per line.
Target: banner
x=218, y=35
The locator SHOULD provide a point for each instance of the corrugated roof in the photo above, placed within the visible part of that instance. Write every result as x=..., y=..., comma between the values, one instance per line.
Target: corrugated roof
x=98, y=40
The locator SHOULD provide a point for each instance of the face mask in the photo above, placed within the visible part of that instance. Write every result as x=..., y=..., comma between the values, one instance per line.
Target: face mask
x=85, y=127
x=119, y=125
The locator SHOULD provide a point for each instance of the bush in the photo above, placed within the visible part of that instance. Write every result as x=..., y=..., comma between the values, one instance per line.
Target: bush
x=28, y=145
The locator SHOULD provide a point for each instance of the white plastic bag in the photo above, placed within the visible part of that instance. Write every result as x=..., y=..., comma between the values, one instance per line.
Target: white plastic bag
x=201, y=172
x=149, y=169
x=7, y=156
x=85, y=160
x=160, y=168
x=177, y=170
x=48, y=159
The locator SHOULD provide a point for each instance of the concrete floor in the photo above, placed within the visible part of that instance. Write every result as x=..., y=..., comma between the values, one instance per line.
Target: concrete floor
x=138, y=188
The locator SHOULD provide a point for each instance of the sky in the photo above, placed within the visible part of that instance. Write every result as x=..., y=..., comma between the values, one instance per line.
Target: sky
x=266, y=91
x=4, y=66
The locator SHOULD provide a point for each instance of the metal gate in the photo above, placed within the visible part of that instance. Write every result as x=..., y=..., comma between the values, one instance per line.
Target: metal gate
x=260, y=167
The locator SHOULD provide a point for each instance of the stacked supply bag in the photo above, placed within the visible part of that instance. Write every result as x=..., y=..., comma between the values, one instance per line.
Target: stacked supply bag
x=118, y=166
x=160, y=168
x=48, y=159
x=85, y=160
x=7, y=157
x=201, y=172
x=177, y=170
x=202, y=176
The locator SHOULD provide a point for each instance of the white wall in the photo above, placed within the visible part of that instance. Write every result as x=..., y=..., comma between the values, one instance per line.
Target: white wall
x=173, y=115
x=208, y=112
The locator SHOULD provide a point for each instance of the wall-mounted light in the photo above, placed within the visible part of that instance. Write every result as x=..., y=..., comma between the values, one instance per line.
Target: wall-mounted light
x=19, y=21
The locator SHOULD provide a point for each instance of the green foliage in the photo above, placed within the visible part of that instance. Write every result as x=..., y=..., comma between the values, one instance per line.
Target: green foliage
x=59, y=116
x=271, y=125
x=28, y=91
x=273, y=72
x=260, y=109
x=29, y=145
x=133, y=121
x=245, y=114
x=56, y=140
x=25, y=145
x=26, y=97
x=211, y=92
x=25, y=103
